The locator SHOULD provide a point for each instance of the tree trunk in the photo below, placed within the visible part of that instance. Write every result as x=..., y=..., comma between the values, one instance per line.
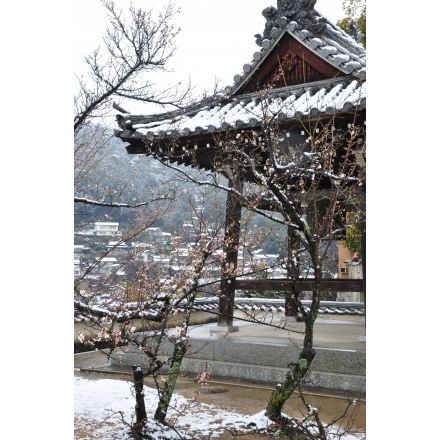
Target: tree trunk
x=299, y=370
x=293, y=380
x=179, y=352
x=138, y=379
x=292, y=298
x=167, y=392
x=181, y=342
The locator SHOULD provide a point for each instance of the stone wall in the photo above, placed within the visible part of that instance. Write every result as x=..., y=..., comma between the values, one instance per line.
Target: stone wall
x=342, y=370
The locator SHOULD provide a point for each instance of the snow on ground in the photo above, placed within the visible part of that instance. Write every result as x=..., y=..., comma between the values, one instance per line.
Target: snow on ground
x=99, y=404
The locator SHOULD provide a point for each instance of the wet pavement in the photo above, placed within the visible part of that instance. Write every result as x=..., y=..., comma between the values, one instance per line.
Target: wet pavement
x=344, y=332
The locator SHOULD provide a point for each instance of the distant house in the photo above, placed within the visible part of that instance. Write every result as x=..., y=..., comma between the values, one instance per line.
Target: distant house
x=139, y=247
x=179, y=256
x=76, y=267
x=107, y=228
x=167, y=237
x=156, y=235
x=117, y=248
x=161, y=261
x=153, y=232
x=107, y=265
x=258, y=256
x=80, y=261
x=277, y=272
x=116, y=244
x=147, y=255
x=188, y=233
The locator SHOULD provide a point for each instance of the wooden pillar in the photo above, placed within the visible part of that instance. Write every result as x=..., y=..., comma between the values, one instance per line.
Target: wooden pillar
x=230, y=248
x=364, y=256
x=364, y=265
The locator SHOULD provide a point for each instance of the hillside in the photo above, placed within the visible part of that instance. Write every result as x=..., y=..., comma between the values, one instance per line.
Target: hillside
x=119, y=177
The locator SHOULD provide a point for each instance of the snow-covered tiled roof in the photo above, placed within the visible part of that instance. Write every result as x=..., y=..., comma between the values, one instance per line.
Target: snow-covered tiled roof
x=247, y=111
x=237, y=107
x=278, y=306
x=266, y=305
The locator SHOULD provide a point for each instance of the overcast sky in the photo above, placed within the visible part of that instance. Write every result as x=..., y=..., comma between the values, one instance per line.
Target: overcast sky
x=216, y=38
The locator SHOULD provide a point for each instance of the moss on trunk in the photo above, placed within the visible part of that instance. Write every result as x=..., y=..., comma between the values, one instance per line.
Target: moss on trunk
x=167, y=393
x=293, y=380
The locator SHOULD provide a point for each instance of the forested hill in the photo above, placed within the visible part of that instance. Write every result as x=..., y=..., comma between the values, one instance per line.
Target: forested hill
x=121, y=178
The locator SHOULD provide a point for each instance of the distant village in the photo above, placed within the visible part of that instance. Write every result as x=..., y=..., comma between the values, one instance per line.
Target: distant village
x=100, y=255
x=104, y=263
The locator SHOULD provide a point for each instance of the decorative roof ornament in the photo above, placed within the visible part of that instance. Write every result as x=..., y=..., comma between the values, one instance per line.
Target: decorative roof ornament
x=353, y=31
x=300, y=11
